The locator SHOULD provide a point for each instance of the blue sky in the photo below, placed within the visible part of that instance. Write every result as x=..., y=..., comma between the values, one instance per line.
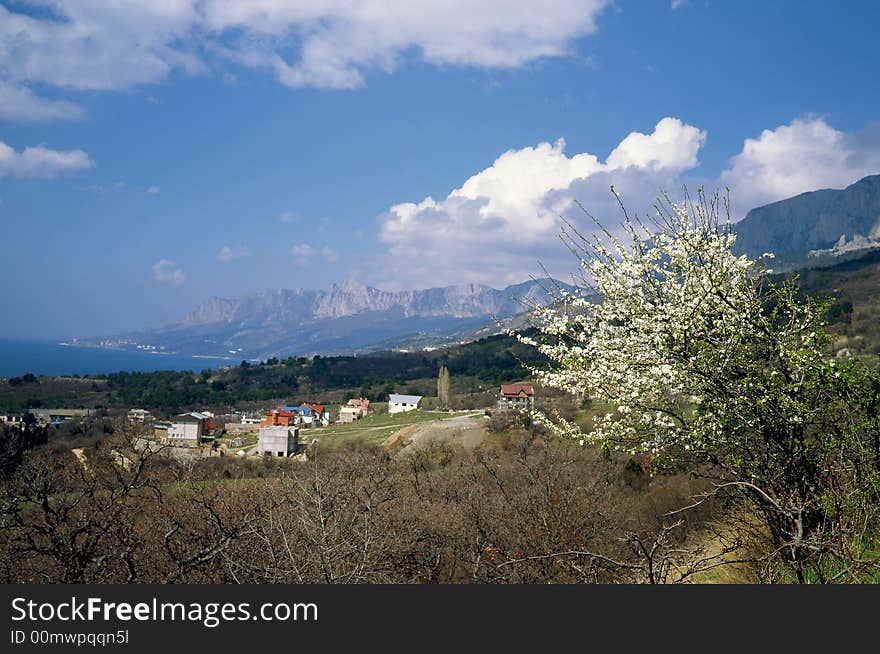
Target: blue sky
x=154, y=154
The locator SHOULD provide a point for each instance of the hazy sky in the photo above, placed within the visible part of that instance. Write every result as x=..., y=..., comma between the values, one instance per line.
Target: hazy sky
x=154, y=153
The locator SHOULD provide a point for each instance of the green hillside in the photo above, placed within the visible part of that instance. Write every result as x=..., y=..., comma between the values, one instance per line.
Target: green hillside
x=855, y=312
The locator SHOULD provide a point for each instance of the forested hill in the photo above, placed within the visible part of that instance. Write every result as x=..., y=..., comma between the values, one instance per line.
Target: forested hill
x=854, y=315
x=473, y=366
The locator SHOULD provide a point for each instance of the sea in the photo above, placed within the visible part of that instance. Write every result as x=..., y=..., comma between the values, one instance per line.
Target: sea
x=18, y=357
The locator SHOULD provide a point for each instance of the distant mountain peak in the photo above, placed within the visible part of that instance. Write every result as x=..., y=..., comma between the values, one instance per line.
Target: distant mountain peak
x=348, y=317
x=813, y=226
x=350, y=285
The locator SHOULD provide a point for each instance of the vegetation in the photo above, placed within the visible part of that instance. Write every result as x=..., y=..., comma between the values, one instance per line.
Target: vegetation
x=539, y=510
x=474, y=366
x=373, y=429
x=719, y=422
x=713, y=368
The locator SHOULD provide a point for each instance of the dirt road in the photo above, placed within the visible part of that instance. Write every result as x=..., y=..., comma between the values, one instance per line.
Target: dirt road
x=467, y=431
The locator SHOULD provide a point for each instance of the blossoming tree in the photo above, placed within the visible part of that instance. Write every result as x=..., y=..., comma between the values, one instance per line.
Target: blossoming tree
x=705, y=364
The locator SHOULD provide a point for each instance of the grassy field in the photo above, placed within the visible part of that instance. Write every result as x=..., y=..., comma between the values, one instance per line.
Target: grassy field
x=373, y=429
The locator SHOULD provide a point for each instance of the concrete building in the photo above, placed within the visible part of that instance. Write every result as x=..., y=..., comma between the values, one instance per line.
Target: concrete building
x=139, y=415
x=516, y=396
x=354, y=410
x=187, y=429
x=278, y=441
x=13, y=420
x=400, y=403
x=349, y=414
x=160, y=431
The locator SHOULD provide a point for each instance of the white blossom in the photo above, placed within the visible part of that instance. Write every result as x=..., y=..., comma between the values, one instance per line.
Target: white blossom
x=677, y=320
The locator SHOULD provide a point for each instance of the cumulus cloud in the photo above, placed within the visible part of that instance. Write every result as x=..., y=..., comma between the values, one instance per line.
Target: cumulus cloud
x=19, y=103
x=166, y=271
x=671, y=146
x=41, y=162
x=805, y=155
x=99, y=45
x=228, y=253
x=502, y=221
x=289, y=217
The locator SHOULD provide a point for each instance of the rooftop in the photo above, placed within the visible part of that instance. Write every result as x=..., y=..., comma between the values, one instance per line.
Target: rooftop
x=512, y=390
x=404, y=399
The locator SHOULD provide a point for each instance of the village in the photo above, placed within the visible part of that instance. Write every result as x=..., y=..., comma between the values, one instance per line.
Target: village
x=287, y=430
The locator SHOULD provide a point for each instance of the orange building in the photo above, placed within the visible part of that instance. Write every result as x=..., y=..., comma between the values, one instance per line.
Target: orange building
x=278, y=418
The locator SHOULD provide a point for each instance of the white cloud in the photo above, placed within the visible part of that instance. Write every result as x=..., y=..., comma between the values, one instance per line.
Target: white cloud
x=805, y=155
x=501, y=221
x=672, y=146
x=329, y=254
x=289, y=217
x=102, y=188
x=99, y=45
x=153, y=190
x=678, y=4
x=301, y=254
x=228, y=253
x=17, y=102
x=166, y=271
x=40, y=161
x=339, y=40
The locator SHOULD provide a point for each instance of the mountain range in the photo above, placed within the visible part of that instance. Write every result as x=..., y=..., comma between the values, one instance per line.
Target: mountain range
x=815, y=228
x=811, y=229
x=347, y=318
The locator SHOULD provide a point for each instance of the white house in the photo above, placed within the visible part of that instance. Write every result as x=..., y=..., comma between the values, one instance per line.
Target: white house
x=139, y=415
x=187, y=429
x=13, y=421
x=401, y=403
x=278, y=441
x=350, y=413
x=354, y=409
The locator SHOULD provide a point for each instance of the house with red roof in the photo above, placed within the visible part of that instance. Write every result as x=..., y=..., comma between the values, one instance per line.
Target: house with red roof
x=516, y=396
x=320, y=414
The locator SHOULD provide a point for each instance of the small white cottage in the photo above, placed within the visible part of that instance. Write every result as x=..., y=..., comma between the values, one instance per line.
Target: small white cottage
x=401, y=403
